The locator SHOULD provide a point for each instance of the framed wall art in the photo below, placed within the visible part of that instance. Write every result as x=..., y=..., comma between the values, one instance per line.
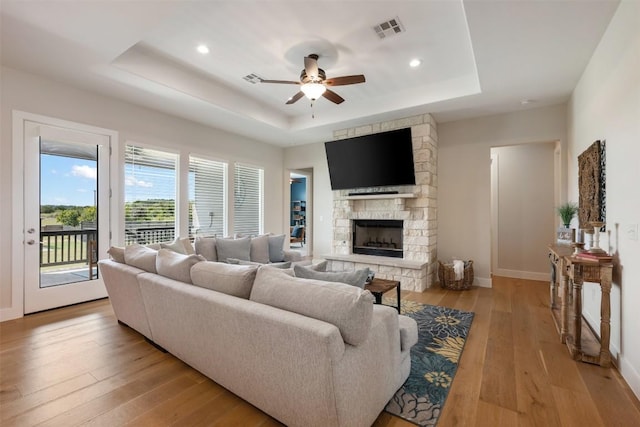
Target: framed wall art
x=591, y=185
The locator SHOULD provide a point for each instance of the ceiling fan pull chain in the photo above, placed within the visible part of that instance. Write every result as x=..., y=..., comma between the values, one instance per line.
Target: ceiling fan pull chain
x=313, y=116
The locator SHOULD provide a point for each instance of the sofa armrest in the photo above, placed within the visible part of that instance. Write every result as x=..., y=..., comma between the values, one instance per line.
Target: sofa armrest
x=292, y=256
x=408, y=332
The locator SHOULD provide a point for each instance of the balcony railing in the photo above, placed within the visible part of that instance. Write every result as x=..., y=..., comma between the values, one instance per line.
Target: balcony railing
x=62, y=247
x=149, y=232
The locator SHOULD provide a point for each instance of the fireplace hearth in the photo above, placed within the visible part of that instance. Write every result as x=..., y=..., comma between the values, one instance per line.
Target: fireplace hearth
x=378, y=237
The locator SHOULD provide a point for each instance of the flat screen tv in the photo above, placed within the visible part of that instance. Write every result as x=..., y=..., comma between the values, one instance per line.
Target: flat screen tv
x=376, y=160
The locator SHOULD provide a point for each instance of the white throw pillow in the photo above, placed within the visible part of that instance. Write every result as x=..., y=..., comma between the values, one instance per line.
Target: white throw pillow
x=176, y=266
x=347, y=307
x=236, y=280
x=117, y=254
x=141, y=257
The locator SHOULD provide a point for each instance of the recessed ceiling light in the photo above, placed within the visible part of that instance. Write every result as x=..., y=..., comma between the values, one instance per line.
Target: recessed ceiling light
x=415, y=63
x=203, y=49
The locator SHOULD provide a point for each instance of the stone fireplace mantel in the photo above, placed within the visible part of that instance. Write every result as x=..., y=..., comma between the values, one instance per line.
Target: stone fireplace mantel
x=415, y=205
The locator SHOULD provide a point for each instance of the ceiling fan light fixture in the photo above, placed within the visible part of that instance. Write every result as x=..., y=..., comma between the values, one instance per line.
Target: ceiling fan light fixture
x=203, y=49
x=313, y=90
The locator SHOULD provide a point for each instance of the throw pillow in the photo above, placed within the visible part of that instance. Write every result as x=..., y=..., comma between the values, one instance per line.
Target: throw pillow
x=176, y=246
x=236, y=280
x=206, y=246
x=176, y=266
x=276, y=248
x=234, y=248
x=141, y=257
x=353, y=278
x=259, y=251
x=117, y=254
x=349, y=308
x=296, y=232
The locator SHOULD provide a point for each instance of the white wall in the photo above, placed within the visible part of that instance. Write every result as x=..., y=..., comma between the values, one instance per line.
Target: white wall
x=464, y=177
x=605, y=105
x=33, y=94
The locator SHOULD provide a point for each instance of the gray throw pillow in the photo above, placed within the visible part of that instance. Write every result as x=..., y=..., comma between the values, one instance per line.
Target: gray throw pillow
x=206, y=246
x=353, y=278
x=259, y=251
x=276, y=248
x=234, y=248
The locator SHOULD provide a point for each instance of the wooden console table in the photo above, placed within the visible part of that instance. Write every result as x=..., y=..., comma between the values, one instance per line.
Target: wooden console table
x=580, y=339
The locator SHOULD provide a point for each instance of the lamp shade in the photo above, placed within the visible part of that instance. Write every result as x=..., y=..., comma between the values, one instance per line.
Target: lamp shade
x=313, y=90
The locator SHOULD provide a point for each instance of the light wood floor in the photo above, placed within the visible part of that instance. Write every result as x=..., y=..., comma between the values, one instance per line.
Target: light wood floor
x=77, y=365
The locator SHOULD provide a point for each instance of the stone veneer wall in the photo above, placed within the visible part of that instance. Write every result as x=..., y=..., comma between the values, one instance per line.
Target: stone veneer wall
x=419, y=213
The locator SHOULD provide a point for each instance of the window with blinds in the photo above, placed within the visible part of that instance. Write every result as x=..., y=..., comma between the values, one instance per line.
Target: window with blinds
x=149, y=195
x=248, y=194
x=207, y=197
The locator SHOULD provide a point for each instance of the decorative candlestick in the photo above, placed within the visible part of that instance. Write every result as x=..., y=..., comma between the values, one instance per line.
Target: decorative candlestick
x=595, y=249
x=578, y=247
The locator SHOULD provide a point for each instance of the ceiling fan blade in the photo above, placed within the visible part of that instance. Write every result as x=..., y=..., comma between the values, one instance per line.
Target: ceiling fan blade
x=295, y=97
x=345, y=80
x=333, y=97
x=311, y=66
x=284, y=82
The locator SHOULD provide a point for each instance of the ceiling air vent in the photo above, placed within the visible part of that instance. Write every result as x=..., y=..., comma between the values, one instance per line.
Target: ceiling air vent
x=252, y=78
x=389, y=28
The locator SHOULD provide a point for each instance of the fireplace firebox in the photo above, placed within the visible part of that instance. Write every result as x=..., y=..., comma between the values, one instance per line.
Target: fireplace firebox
x=382, y=237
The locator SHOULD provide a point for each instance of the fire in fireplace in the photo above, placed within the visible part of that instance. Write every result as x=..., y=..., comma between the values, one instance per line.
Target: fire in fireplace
x=381, y=237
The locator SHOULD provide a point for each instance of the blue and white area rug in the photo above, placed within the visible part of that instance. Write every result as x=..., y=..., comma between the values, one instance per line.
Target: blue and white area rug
x=442, y=333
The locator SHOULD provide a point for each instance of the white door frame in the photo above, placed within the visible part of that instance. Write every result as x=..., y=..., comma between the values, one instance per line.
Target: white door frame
x=18, y=237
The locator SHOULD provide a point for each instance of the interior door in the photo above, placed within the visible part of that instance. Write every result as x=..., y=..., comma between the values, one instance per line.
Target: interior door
x=66, y=215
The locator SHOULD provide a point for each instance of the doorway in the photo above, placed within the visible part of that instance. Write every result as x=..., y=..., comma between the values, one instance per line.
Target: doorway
x=300, y=212
x=523, y=195
x=66, y=217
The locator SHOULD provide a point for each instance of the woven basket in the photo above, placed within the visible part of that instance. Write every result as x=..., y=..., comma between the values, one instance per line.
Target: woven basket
x=448, y=277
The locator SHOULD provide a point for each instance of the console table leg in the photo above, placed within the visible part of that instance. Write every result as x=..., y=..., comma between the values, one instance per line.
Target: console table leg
x=577, y=311
x=605, y=317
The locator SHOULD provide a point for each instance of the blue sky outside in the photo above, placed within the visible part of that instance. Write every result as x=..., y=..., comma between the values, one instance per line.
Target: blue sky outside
x=71, y=181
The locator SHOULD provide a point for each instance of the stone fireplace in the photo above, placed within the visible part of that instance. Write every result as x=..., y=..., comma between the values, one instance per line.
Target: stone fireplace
x=381, y=237
x=413, y=206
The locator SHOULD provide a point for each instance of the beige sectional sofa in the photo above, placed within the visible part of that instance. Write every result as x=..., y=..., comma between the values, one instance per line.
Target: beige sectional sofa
x=307, y=352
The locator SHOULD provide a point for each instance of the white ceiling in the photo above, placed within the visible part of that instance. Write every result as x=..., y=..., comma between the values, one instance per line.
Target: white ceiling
x=479, y=57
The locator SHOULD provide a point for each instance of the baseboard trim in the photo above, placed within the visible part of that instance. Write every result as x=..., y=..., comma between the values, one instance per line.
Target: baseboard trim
x=527, y=275
x=483, y=282
x=10, y=313
x=630, y=375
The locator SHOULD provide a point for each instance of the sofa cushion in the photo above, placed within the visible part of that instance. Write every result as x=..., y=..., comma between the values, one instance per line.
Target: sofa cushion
x=141, y=257
x=206, y=246
x=259, y=249
x=117, y=254
x=353, y=278
x=176, y=266
x=234, y=248
x=349, y=308
x=276, y=248
x=283, y=264
x=236, y=280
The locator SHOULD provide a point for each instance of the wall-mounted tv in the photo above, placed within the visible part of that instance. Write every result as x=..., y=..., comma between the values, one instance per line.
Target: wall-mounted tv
x=376, y=160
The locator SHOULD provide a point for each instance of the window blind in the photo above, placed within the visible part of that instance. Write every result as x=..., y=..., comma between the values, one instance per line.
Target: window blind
x=207, y=197
x=150, y=195
x=248, y=200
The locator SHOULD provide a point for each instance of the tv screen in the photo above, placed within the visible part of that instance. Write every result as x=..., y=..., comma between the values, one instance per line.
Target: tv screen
x=376, y=160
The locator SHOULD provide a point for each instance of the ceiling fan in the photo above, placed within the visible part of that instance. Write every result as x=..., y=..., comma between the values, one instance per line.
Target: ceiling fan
x=314, y=82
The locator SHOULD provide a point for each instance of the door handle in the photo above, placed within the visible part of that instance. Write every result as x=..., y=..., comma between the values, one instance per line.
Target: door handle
x=31, y=230
x=30, y=242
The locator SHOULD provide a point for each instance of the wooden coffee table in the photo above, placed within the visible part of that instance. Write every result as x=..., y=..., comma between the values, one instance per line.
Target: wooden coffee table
x=380, y=286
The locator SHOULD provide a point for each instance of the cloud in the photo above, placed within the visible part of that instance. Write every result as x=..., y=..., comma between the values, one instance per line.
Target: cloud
x=84, y=171
x=131, y=181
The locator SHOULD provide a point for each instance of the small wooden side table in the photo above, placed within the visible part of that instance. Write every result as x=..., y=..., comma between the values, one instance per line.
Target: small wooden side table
x=569, y=275
x=380, y=286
